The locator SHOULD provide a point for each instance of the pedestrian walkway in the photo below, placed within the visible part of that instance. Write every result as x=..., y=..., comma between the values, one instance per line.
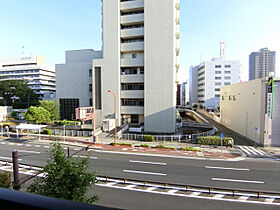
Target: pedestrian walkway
x=251, y=151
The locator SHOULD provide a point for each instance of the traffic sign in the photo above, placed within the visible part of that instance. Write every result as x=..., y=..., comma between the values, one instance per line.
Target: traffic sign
x=222, y=135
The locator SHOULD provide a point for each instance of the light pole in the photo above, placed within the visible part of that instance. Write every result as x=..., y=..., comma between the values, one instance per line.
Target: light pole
x=115, y=106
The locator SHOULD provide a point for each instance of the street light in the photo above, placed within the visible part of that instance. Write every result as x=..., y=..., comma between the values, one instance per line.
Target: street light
x=115, y=106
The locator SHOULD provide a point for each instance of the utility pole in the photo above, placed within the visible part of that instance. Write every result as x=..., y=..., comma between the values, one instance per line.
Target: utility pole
x=16, y=185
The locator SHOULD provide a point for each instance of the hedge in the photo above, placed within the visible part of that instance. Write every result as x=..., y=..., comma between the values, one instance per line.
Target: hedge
x=214, y=140
x=190, y=149
x=149, y=138
x=161, y=146
x=47, y=131
x=122, y=144
x=5, y=179
x=145, y=145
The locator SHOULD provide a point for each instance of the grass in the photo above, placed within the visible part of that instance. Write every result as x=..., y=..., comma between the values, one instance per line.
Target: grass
x=190, y=149
x=161, y=146
x=145, y=145
x=122, y=144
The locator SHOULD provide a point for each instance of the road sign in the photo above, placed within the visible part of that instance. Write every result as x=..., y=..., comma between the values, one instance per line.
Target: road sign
x=256, y=129
x=222, y=135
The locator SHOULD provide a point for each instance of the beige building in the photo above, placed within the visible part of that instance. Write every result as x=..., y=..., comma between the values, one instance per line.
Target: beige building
x=139, y=63
x=248, y=109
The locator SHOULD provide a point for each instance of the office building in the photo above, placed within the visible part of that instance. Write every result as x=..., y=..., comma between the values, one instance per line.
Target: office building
x=74, y=81
x=33, y=69
x=262, y=64
x=185, y=93
x=208, y=77
x=253, y=111
x=139, y=63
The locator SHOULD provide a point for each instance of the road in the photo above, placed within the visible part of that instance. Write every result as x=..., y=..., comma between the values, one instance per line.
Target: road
x=259, y=174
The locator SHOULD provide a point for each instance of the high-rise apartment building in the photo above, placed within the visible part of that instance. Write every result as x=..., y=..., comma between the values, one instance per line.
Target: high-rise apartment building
x=33, y=69
x=139, y=63
x=262, y=64
x=207, y=78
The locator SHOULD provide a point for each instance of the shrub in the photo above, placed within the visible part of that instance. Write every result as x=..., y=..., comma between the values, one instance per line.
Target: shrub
x=214, y=140
x=145, y=145
x=47, y=131
x=5, y=179
x=190, y=149
x=161, y=146
x=122, y=144
x=149, y=138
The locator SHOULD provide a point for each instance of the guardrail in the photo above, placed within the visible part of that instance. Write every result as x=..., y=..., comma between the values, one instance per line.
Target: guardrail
x=189, y=187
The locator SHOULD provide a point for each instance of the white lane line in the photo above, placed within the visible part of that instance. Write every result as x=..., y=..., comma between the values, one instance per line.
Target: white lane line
x=244, y=150
x=219, y=196
x=234, y=169
x=8, y=158
x=11, y=144
x=37, y=146
x=28, y=145
x=3, y=142
x=237, y=180
x=151, y=188
x=27, y=151
x=94, y=158
x=269, y=200
x=145, y=162
x=251, y=150
x=130, y=186
x=195, y=193
x=244, y=198
x=47, y=146
x=258, y=151
x=172, y=191
x=83, y=156
x=19, y=144
x=144, y=172
x=76, y=149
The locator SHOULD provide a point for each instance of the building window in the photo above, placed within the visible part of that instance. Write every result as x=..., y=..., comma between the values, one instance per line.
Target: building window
x=227, y=78
x=223, y=98
x=230, y=98
x=218, y=78
x=234, y=98
x=142, y=70
x=218, y=66
x=90, y=72
x=217, y=95
x=227, y=83
x=227, y=66
x=67, y=108
x=217, y=89
x=90, y=87
x=126, y=71
x=134, y=56
x=218, y=72
x=90, y=102
x=132, y=102
x=218, y=83
x=132, y=86
x=227, y=72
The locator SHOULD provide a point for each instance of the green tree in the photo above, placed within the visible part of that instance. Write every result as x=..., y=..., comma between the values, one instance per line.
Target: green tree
x=5, y=179
x=16, y=93
x=66, y=178
x=37, y=115
x=52, y=107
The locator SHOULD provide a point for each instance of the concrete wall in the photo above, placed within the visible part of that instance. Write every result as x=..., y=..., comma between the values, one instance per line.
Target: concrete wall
x=160, y=71
x=245, y=114
x=275, y=137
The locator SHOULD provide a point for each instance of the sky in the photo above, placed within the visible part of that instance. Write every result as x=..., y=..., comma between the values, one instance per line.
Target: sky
x=50, y=27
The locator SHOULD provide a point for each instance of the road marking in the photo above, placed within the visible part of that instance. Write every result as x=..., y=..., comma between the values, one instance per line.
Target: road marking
x=130, y=186
x=172, y=191
x=144, y=162
x=237, y=180
x=76, y=149
x=151, y=188
x=269, y=200
x=195, y=193
x=234, y=169
x=251, y=150
x=19, y=144
x=27, y=151
x=83, y=156
x=28, y=145
x=8, y=158
x=94, y=158
x=47, y=146
x=144, y=172
x=219, y=196
x=11, y=144
x=244, y=198
x=37, y=146
x=3, y=142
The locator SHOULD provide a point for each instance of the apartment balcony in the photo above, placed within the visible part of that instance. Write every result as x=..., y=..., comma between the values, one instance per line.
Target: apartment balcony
x=130, y=19
x=132, y=62
x=132, y=110
x=132, y=47
x=132, y=94
x=132, y=78
x=132, y=5
x=133, y=32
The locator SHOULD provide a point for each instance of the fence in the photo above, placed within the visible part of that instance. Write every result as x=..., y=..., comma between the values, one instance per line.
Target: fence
x=62, y=132
x=120, y=132
x=179, y=138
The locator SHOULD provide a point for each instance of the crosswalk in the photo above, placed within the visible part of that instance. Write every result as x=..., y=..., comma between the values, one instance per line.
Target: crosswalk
x=251, y=151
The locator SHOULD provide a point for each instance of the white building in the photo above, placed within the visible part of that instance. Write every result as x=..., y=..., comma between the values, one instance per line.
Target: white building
x=33, y=68
x=74, y=81
x=140, y=62
x=249, y=109
x=207, y=78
